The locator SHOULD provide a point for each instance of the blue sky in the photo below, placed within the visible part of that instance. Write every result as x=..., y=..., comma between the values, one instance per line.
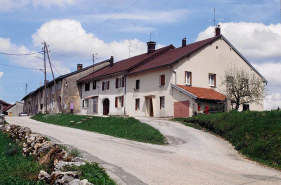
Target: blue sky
x=75, y=29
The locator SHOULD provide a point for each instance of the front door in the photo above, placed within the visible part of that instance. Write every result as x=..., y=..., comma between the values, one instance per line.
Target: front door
x=105, y=106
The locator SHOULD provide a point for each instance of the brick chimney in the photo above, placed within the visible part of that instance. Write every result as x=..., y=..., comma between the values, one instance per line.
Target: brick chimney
x=111, y=61
x=79, y=67
x=183, y=42
x=218, y=30
x=150, y=47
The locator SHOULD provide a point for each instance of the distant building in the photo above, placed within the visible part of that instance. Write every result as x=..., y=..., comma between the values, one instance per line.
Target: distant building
x=14, y=110
x=67, y=93
x=3, y=106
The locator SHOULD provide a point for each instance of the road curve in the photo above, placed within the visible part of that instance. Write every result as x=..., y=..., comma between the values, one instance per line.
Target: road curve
x=193, y=156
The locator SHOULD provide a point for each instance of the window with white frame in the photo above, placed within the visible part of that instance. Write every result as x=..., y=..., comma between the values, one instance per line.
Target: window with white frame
x=105, y=85
x=188, y=78
x=162, y=102
x=85, y=104
x=137, y=104
x=212, y=80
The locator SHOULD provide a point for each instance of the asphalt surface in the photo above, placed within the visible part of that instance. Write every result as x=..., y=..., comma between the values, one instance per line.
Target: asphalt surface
x=193, y=156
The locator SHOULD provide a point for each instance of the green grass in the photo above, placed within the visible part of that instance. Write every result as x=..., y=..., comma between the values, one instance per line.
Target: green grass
x=92, y=172
x=257, y=135
x=127, y=128
x=16, y=169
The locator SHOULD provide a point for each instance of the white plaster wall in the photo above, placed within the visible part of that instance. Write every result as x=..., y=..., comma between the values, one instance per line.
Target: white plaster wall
x=110, y=94
x=212, y=60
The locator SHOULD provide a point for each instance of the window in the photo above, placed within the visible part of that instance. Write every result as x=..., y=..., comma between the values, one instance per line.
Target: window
x=245, y=84
x=229, y=82
x=59, y=85
x=119, y=82
x=105, y=85
x=94, y=84
x=137, y=104
x=162, y=102
x=53, y=89
x=212, y=80
x=87, y=86
x=95, y=105
x=47, y=91
x=119, y=101
x=188, y=78
x=85, y=104
x=162, y=80
x=137, y=84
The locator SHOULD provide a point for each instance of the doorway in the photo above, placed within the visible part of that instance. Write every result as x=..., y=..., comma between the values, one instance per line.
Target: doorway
x=151, y=107
x=106, y=106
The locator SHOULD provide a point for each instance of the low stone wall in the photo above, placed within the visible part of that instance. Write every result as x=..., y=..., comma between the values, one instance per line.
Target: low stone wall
x=47, y=153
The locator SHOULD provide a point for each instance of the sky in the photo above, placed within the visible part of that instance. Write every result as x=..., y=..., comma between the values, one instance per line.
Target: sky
x=76, y=29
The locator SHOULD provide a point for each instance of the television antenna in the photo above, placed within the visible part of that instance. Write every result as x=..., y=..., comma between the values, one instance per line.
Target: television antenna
x=215, y=19
x=150, y=34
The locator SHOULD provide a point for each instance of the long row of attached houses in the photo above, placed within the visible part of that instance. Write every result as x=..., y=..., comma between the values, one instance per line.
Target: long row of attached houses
x=167, y=82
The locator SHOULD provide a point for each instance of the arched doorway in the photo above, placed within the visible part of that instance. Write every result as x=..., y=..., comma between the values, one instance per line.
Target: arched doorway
x=105, y=106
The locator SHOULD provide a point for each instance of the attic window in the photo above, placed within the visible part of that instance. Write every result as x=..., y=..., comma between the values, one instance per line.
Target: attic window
x=217, y=47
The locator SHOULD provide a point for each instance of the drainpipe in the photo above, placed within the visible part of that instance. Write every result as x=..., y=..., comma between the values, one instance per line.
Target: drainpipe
x=124, y=97
x=174, y=73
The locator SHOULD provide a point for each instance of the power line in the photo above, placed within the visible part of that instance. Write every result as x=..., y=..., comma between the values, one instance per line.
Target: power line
x=18, y=67
x=17, y=54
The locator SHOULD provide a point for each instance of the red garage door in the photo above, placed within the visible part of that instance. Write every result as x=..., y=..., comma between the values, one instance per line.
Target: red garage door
x=181, y=109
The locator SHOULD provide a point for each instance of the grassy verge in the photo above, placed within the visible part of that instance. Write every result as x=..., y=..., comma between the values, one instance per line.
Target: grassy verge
x=15, y=168
x=127, y=128
x=257, y=135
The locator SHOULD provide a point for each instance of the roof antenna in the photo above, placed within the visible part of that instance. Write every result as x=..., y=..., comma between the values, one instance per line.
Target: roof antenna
x=214, y=20
x=130, y=48
x=151, y=33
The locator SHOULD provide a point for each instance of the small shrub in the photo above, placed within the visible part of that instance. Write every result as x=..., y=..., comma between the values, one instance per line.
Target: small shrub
x=74, y=153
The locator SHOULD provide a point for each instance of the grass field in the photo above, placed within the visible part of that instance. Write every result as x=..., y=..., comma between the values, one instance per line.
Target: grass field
x=127, y=128
x=16, y=169
x=257, y=135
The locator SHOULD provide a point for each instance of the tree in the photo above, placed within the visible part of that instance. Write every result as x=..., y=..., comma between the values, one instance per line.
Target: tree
x=242, y=87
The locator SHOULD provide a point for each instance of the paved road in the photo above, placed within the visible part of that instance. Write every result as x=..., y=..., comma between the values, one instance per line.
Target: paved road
x=193, y=156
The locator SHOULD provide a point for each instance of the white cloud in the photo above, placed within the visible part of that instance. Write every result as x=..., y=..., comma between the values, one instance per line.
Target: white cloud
x=158, y=17
x=271, y=71
x=1, y=74
x=255, y=41
x=49, y=3
x=272, y=101
x=29, y=61
x=14, y=5
x=68, y=37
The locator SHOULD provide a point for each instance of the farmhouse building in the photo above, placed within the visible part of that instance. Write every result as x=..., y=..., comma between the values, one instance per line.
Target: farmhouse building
x=168, y=82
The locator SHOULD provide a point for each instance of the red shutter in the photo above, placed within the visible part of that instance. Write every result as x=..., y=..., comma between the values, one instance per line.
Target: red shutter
x=102, y=85
x=123, y=80
x=162, y=79
x=116, y=101
x=122, y=101
x=108, y=85
x=190, y=78
x=215, y=80
x=116, y=85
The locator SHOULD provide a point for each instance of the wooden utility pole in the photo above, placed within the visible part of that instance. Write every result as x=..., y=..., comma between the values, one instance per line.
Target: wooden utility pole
x=45, y=84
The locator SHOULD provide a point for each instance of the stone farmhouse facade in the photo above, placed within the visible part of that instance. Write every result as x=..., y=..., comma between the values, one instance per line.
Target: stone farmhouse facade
x=68, y=92
x=168, y=82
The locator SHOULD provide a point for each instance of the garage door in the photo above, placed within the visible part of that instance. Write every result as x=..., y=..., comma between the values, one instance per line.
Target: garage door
x=181, y=109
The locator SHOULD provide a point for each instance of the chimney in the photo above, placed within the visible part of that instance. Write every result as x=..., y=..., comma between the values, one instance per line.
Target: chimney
x=218, y=30
x=184, y=42
x=79, y=67
x=150, y=47
x=111, y=61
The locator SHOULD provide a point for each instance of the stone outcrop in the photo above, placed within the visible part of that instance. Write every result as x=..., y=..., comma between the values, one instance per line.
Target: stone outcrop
x=47, y=153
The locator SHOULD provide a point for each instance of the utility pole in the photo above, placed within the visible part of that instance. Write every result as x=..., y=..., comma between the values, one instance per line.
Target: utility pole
x=45, y=82
x=26, y=89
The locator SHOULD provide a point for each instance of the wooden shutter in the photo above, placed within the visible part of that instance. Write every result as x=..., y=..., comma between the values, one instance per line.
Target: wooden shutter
x=116, y=85
x=162, y=80
x=108, y=85
x=123, y=81
x=116, y=101
x=102, y=85
x=215, y=80
x=122, y=101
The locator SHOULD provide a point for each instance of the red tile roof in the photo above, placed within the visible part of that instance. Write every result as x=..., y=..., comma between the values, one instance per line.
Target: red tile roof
x=7, y=107
x=173, y=55
x=4, y=103
x=203, y=93
x=127, y=63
